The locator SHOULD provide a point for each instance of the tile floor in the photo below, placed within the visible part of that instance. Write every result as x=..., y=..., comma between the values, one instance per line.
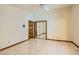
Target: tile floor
x=42, y=47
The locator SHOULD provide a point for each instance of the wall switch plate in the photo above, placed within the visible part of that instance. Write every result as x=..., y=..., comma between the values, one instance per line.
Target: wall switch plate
x=23, y=25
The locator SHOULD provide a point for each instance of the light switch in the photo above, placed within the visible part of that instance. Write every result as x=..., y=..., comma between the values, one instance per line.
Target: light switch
x=23, y=25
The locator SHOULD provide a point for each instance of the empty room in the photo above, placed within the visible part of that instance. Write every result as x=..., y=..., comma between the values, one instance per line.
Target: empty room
x=39, y=29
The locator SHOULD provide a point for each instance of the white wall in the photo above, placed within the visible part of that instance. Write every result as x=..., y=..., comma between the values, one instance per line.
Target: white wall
x=11, y=21
x=69, y=25
x=59, y=25
x=75, y=24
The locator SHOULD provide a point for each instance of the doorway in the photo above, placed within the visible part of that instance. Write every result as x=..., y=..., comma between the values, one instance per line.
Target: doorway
x=38, y=29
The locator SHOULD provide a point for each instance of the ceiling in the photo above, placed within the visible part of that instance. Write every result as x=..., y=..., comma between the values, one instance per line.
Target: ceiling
x=37, y=6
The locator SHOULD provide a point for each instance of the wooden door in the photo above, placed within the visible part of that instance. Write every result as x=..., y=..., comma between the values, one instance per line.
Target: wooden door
x=30, y=29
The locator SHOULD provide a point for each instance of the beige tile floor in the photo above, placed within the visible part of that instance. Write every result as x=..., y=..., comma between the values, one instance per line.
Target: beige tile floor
x=42, y=47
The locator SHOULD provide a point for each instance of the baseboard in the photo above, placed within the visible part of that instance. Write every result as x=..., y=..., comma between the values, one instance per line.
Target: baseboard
x=75, y=44
x=13, y=45
x=64, y=41
x=59, y=40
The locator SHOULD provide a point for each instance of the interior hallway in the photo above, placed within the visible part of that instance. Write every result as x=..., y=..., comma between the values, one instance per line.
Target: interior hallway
x=43, y=47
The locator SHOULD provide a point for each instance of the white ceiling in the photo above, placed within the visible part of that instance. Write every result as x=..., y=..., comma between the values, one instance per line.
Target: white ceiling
x=37, y=6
